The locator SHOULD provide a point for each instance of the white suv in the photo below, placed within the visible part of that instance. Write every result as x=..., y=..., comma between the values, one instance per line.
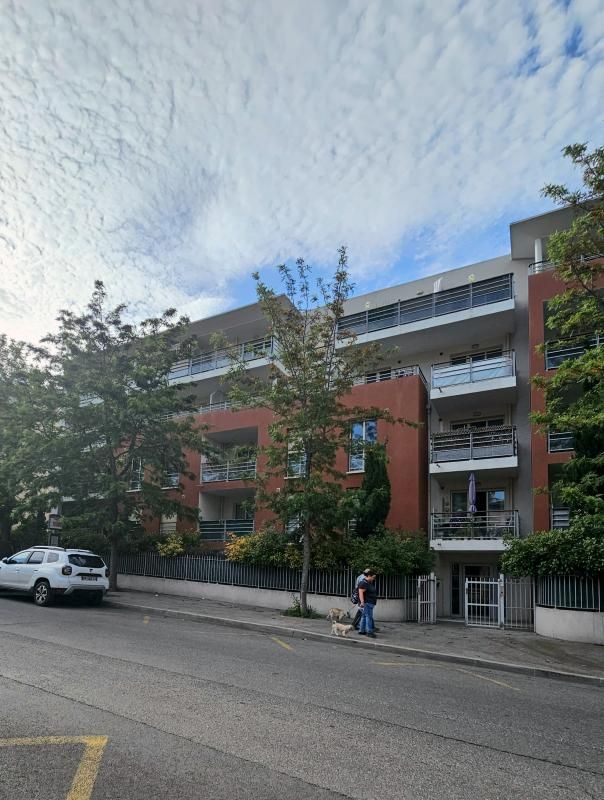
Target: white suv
x=48, y=571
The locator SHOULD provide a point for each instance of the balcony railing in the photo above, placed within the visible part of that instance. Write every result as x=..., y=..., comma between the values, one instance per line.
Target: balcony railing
x=216, y=530
x=390, y=374
x=450, y=374
x=536, y=267
x=559, y=442
x=473, y=444
x=559, y=518
x=437, y=304
x=481, y=525
x=229, y=471
x=557, y=352
x=219, y=359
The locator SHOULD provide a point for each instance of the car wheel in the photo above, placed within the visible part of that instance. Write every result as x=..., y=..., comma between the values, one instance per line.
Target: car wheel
x=42, y=593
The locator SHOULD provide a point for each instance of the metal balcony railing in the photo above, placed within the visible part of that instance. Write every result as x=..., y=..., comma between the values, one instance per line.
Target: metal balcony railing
x=216, y=530
x=219, y=359
x=229, y=471
x=480, y=525
x=473, y=444
x=451, y=374
x=536, y=267
x=404, y=312
x=559, y=442
x=557, y=352
x=559, y=518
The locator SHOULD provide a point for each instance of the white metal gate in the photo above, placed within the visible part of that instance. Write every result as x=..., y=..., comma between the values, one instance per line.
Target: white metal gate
x=500, y=602
x=426, y=599
x=484, y=602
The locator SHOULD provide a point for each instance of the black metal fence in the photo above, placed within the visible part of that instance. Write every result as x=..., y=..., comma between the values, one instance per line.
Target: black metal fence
x=207, y=569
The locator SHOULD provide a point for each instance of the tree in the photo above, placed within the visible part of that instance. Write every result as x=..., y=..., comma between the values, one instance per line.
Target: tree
x=375, y=493
x=124, y=426
x=29, y=406
x=574, y=393
x=312, y=372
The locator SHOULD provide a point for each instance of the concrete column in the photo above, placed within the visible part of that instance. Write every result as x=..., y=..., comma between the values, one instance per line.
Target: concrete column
x=538, y=250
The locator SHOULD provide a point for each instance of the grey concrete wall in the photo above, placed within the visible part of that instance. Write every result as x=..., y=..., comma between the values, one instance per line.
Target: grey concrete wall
x=386, y=610
x=573, y=626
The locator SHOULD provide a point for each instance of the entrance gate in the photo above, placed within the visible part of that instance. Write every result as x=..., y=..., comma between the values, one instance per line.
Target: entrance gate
x=426, y=599
x=500, y=602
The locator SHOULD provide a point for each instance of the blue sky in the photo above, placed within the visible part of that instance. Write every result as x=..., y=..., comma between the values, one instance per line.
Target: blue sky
x=170, y=149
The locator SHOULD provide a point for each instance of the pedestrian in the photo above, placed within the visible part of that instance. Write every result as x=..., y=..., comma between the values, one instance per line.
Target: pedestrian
x=368, y=600
x=357, y=618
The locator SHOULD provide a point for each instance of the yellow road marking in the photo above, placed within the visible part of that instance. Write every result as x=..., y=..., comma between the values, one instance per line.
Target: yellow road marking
x=145, y=620
x=490, y=680
x=88, y=768
x=282, y=643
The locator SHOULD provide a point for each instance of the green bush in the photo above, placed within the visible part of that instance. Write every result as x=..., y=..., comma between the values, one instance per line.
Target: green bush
x=268, y=547
x=392, y=552
x=574, y=551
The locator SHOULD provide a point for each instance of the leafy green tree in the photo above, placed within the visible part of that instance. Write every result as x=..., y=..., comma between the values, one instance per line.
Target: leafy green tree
x=375, y=493
x=312, y=372
x=574, y=392
x=124, y=427
x=29, y=407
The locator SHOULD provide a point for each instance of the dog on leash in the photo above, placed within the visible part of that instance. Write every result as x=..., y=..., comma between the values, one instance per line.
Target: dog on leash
x=337, y=614
x=340, y=630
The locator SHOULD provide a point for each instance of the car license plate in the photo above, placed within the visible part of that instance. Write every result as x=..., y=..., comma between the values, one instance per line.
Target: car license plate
x=89, y=577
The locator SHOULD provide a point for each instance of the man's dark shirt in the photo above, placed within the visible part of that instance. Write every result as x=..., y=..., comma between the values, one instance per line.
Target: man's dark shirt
x=370, y=591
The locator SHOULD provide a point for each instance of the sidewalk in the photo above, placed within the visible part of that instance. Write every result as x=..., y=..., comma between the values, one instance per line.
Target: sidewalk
x=511, y=651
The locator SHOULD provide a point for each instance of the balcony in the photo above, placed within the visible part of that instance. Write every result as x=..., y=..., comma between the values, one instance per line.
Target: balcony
x=229, y=471
x=452, y=379
x=479, y=531
x=558, y=352
x=473, y=449
x=217, y=530
x=537, y=267
x=560, y=442
x=559, y=518
x=429, y=307
x=254, y=350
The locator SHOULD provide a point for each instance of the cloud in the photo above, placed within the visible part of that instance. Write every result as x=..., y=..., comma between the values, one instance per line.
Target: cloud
x=170, y=149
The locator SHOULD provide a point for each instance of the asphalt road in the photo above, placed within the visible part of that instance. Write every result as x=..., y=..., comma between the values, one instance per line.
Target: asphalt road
x=175, y=709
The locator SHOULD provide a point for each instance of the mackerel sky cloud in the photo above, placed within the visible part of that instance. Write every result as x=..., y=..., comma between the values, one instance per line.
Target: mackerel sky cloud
x=172, y=148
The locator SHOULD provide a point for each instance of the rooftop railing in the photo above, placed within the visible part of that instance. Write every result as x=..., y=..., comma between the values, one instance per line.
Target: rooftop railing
x=220, y=359
x=536, y=267
x=480, y=525
x=404, y=312
x=455, y=374
x=470, y=444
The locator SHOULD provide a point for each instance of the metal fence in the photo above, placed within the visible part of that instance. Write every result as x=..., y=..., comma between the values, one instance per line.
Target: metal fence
x=339, y=583
x=476, y=443
x=574, y=592
x=473, y=371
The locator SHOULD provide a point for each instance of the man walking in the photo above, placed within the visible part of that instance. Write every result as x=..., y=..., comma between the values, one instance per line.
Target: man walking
x=356, y=622
x=367, y=602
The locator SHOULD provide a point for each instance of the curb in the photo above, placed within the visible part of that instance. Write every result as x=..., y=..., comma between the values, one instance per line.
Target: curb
x=298, y=633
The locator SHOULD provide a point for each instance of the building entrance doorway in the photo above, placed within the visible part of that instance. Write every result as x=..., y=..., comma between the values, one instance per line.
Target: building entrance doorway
x=459, y=573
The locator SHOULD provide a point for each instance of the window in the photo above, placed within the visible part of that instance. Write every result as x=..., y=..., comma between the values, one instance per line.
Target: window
x=136, y=475
x=296, y=460
x=37, y=557
x=85, y=560
x=20, y=558
x=52, y=557
x=486, y=500
x=361, y=434
x=170, y=478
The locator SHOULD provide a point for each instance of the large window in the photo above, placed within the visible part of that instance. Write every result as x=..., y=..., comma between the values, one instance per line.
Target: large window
x=136, y=475
x=361, y=434
x=486, y=500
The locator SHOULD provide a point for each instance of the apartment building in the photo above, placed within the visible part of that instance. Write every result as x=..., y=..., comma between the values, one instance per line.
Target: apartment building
x=458, y=356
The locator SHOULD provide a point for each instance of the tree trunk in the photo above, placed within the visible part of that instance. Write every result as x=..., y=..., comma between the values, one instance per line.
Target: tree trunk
x=113, y=568
x=305, y=569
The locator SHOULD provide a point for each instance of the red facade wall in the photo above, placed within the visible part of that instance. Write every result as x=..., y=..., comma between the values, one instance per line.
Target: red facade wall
x=542, y=287
x=407, y=448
